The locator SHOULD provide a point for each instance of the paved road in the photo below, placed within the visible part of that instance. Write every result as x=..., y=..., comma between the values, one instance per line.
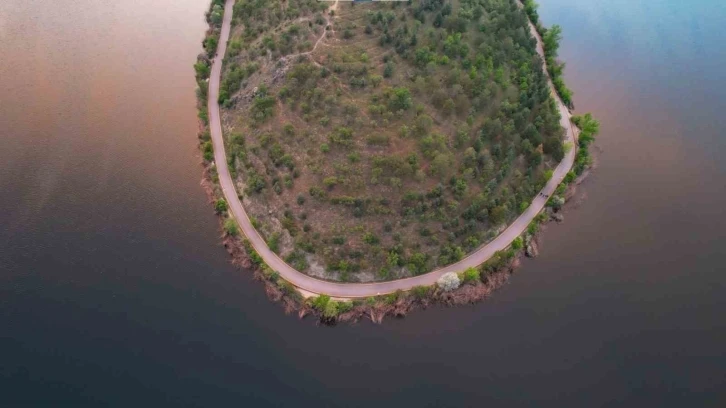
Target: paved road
x=353, y=290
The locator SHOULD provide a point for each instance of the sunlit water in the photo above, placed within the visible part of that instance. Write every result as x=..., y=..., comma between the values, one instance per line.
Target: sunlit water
x=114, y=290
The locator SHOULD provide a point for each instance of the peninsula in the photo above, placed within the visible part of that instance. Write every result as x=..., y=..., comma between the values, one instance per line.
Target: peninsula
x=364, y=149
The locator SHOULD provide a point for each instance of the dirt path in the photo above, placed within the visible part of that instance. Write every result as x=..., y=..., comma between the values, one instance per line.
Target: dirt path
x=332, y=8
x=357, y=290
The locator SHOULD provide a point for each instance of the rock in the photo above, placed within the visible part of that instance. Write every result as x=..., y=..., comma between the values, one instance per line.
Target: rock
x=531, y=249
x=203, y=58
x=558, y=217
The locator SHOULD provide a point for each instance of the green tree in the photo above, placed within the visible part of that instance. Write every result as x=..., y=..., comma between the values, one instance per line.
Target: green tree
x=551, y=40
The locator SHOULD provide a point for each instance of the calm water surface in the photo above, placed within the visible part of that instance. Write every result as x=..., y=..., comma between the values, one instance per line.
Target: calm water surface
x=114, y=290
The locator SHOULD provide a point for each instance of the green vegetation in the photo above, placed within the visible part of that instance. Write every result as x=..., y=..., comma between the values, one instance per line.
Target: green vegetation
x=589, y=128
x=518, y=243
x=230, y=227
x=220, y=206
x=551, y=38
x=328, y=308
x=470, y=275
x=411, y=141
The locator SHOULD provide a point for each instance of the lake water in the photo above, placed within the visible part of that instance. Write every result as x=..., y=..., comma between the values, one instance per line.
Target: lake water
x=114, y=289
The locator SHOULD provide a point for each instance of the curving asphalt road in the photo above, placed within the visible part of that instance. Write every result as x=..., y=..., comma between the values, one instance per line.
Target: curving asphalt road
x=355, y=290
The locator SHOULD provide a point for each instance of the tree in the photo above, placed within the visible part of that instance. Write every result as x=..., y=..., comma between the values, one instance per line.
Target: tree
x=215, y=17
x=589, y=127
x=551, y=40
x=263, y=107
x=449, y=281
x=423, y=56
x=498, y=215
x=388, y=70
x=210, y=44
x=557, y=202
x=202, y=69
x=400, y=99
x=417, y=263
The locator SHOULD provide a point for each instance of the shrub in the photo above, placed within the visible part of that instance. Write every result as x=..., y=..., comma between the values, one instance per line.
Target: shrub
x=220, y=206
x=255, y=182
x=400, y=99
x=320, y=302
x=274, y=242
x=371, y=239
x=518, y=243
x=289, y=130
x=420, y=292
x=208, y=151
x=231, y=228
x=557, y=202
x=331, y=310
x=263, y=108
x=317, y=192
x=377, y=140
x=388, y=70
x=330, y=182
x=470, y=275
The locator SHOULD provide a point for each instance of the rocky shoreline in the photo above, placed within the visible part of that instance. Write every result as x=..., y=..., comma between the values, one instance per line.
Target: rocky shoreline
x=492, y=274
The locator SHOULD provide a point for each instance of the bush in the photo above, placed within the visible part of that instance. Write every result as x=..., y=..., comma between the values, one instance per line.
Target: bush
x=388, y=70
x=320, y=302
x=208, y=151
x=274, y=242
x=317, y=192
x=371, y=239
x=400, y=99
x=330, y=182
x=231, y=228
x=220, y=206
x=420, y=292
x=518, y=243
x=263, y=108
x=470, y=275
x=557, y=202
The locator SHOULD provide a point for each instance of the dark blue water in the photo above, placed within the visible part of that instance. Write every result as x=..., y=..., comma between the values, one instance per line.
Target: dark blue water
x=115, y=292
